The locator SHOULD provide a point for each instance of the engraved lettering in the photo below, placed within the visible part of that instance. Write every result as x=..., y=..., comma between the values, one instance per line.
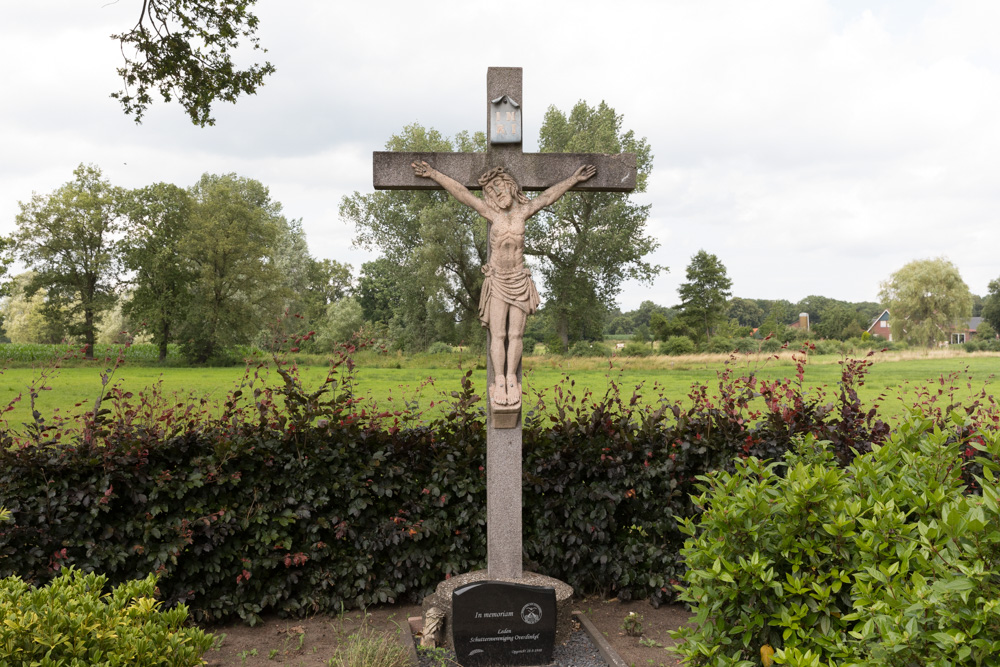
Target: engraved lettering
x=499, y=120
x=513, y=128
x=510, y=115
x=500, y=129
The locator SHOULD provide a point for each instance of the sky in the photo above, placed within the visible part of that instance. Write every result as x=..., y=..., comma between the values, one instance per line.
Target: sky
x=813, y=146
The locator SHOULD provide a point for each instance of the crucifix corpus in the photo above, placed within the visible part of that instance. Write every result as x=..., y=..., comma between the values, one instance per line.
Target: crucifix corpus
x=509, y=295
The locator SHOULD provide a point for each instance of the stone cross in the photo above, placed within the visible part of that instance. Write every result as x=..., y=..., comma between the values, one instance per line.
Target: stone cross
x=555, y=173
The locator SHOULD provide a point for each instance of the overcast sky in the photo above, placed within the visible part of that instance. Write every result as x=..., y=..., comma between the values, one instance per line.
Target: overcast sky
x=814, y=146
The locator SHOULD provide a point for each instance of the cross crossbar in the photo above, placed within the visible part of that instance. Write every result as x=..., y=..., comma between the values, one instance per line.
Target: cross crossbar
x=533, y=171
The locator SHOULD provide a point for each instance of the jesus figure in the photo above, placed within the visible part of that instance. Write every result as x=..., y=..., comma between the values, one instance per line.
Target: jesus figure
x=509, y=293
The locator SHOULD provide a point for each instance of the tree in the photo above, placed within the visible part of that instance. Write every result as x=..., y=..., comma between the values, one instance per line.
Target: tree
x=777, y=316
x=433, y=245
x=838, y=320
x=705, y=294
x=926, y=299
x=665, y=326
x=161, y=277
x=70, y=239
x=328, y=281
x=6, y=247
x=991, y=305
x=375, y=290
x=231, y=247
x=24, y=317
x=589, y=243
x=343, y=319
x=183, y=49
x=745, y=311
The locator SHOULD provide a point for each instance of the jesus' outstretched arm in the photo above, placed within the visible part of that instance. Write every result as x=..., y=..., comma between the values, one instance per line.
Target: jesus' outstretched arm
x=456, y=189
x=559, y=189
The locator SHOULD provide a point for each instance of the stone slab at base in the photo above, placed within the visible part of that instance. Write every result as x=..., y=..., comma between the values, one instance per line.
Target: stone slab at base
x=441, y=598
x=506, y=416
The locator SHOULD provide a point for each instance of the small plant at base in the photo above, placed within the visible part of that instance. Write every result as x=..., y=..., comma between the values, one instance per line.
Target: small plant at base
x=632, y=624
x=366, y=648
x=438, y=656
x=246, y=654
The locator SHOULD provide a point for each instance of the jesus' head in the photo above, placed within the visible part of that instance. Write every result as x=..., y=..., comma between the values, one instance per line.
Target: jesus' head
x=500, y=190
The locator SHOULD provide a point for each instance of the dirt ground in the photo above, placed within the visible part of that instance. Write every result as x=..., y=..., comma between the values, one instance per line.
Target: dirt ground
x=312, y=642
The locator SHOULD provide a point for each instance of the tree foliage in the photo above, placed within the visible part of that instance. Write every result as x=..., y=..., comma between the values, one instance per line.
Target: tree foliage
x=589, y=243
x=24, y=317
x=433, y=245
x=161, y=278
x=926, y=299
x=704, y=297
x=70, y=239
x=991, y=305
x=746, y=312
x=183, y=49
x=231, y=247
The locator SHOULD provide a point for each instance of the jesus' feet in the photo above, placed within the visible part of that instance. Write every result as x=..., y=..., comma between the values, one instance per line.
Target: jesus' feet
x=499, y=391
x=513, y=390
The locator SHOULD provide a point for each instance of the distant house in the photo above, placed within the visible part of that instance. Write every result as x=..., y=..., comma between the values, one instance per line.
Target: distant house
x=964, y=335
x=959, y=335
x=880, y=326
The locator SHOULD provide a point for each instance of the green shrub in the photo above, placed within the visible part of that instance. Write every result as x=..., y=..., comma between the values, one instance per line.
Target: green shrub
x=828, y=347
x=887, y=562
x=677, y=345
x=720, y=345
x=439, y=347
x=587, y=348
x=635, y=349
x=746, y=345
x=70, y=622
x=770, y=345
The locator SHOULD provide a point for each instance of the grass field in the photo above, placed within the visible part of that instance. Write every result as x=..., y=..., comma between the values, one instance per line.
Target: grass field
x=418, y=381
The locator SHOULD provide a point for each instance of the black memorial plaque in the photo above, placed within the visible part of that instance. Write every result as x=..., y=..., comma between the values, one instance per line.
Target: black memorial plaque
x=495, y=623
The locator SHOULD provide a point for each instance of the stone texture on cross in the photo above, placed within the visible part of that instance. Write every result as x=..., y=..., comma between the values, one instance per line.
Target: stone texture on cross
x=555, y=173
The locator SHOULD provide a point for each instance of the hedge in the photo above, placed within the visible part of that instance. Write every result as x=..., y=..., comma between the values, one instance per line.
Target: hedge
x=316, y=502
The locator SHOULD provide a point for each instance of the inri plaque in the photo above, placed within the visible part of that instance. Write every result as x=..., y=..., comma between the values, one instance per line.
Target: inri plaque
x=505, y=121
x=495, y=623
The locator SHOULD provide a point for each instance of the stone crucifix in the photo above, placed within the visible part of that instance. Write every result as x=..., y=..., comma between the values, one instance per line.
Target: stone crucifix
x=509, y=293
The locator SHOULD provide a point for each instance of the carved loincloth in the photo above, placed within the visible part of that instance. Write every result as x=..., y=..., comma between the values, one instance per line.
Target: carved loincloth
x=514, y=287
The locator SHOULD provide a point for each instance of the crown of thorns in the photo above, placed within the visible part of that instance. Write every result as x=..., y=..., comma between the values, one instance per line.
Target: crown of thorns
x=496, y=172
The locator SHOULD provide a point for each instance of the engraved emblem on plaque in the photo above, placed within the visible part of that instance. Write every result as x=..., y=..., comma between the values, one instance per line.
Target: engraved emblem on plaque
x=505, y=121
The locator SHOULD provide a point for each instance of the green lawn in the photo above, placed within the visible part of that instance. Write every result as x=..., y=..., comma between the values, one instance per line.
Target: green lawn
x=75, y=389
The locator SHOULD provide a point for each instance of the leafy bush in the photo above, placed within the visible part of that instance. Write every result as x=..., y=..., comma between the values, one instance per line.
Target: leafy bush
x=720, y=345
x=677, y=345
x=887, y=562
x=439, y=347
x=746, y=345
x=71, y=622
x=770, y=345
x=635, y=349
x=828, y=347
x=586, y=348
